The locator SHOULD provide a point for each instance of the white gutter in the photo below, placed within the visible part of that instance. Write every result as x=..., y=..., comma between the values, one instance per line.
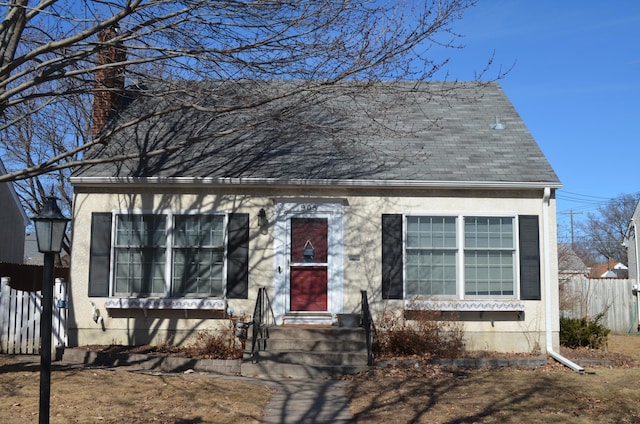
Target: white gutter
x=547, y=284
x=271, y=182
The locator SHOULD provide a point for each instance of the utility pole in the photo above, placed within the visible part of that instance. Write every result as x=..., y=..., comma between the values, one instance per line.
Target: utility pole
x=571, y=213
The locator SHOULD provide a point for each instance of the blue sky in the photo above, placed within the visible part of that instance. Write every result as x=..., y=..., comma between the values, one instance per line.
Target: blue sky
x=575, y=83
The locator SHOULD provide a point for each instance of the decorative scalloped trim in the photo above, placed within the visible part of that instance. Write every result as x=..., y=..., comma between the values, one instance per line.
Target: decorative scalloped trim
x=145, y=303
x=457, y=305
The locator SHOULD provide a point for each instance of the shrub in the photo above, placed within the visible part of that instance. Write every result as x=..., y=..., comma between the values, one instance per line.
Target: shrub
x=220, y=344
x=422, y=335
x=583, y=332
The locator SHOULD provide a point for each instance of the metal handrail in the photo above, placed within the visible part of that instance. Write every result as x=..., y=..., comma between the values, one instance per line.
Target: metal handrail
x=260, y=323
x=367, y=323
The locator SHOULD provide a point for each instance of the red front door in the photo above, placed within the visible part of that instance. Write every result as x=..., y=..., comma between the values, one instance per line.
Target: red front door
x=308, y=264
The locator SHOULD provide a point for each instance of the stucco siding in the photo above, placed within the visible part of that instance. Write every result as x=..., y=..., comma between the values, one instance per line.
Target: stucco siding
x=361, y=259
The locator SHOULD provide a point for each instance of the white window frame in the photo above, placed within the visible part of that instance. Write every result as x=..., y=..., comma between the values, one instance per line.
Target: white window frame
x=333, y=211
x=512, y=301
x=515, y=256
x=168, y=271
x=455, y=250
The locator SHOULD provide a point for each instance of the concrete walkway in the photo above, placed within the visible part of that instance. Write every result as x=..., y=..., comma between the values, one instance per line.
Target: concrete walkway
x=307, y=401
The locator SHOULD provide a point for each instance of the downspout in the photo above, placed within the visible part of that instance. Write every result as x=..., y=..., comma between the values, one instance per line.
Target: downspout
x=546, y=198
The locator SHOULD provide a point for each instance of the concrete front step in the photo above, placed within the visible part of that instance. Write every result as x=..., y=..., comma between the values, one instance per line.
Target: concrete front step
x=308, y=351
x=322, y=345
x=313, y=358
x=316, y=333
x=305, y=318
x=271, y=370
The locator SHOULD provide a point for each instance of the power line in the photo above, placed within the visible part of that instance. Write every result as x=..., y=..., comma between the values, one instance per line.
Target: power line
x=583, y=195
x=585, y=202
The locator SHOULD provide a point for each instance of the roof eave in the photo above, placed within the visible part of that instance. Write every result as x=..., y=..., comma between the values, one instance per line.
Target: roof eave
x=274, y=182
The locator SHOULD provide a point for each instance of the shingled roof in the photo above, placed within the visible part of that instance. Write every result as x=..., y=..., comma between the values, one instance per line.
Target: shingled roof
x=398, y=133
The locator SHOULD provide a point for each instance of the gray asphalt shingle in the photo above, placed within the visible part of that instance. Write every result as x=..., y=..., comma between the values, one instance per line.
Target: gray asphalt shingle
x=397, y=134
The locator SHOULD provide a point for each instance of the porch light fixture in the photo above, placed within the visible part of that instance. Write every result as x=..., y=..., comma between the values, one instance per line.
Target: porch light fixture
x=263, y=222
x=50, y=228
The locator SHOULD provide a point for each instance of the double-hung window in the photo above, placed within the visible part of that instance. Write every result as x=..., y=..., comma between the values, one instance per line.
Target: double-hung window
x=140, y=255
x=193, y=245
x=431, y=256
x=489, y=256
x=198, y=255
x=169, y=255
x=449, y=255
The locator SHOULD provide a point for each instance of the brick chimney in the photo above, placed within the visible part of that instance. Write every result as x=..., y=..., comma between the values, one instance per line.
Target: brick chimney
x=109, y=88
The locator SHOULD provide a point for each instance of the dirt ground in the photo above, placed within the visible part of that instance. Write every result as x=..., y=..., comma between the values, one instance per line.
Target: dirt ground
x=399, y=394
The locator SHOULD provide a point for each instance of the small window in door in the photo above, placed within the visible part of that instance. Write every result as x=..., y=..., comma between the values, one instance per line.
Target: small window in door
x=309, y=240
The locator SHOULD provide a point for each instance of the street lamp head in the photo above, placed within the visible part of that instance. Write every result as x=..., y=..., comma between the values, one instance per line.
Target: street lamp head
x=50, y=227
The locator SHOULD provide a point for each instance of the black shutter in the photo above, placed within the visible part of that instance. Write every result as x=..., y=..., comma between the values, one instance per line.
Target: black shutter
x=529, y=257
x=392, y=261
x=238, y=256
x=99, y=254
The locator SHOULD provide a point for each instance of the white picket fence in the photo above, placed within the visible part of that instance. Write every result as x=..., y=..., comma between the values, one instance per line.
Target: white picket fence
x=590, y=297
x=20, y=319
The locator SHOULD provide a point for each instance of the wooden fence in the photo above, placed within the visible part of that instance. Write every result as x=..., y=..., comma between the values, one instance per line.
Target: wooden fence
x=586, y=297
x=29, y=277
x=20, y=318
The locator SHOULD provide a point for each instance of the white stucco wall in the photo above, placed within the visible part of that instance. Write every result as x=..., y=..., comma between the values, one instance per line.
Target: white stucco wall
x=361, y=259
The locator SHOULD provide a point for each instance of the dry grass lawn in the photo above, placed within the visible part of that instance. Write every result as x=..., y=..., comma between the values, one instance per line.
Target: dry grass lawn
x=424, y=394
x=84, y=395
x=552, y=394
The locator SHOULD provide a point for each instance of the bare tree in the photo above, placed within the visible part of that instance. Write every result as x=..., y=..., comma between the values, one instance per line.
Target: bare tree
x=604, y=231
x=50, y=58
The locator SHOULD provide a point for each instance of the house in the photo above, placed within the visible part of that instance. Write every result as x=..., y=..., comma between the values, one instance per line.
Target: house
x=14, y=222
x=609, y=269
x=633, y=249
x=572, y=272
x=426, y=196
x=569, y=263
x=633, y=245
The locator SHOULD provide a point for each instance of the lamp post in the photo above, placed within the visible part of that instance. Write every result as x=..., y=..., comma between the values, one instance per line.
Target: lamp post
x=50, y=228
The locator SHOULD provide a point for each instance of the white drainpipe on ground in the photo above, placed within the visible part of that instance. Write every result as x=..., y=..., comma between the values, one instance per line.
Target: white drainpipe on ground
x=546, y=198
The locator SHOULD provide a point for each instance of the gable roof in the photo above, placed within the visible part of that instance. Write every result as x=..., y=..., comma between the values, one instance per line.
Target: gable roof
x=609, y=269
x=435, y=134
x=569, y=262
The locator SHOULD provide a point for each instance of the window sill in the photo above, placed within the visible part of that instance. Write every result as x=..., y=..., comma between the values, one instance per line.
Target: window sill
x=167, y=303
x=464, y=305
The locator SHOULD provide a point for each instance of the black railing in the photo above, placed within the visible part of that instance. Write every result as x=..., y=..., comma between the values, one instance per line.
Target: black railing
x=260, y=323
x=367, y=323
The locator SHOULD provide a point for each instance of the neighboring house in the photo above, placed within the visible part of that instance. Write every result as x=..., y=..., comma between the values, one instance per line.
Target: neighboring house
x=572, y=273
x=609, y=269
x=570, y=265
x=14, y=223
x=633, y=245
x=633, y=254
x=451, y=210
x=32, y=255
